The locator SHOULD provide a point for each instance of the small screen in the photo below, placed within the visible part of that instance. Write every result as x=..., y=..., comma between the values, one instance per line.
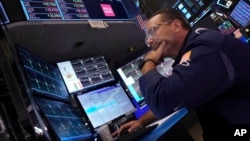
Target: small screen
x=226, y=27
x=85, y=73
x=241, y=13
x=105, y=104
x=225, y=3
x=64, y=120
x=190, y=8
x=43, y=78
x=130, y=74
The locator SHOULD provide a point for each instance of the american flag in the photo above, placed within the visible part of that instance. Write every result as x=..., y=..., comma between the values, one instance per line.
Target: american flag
x=141, y=21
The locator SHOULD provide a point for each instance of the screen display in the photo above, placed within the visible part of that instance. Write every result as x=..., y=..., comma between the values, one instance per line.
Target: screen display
x=105, y=104
x=189, y=8
x=73, y=9
x=130, y=74
x=225, y=3
x=241, y=13
x=64, y=120
x=226, y=27
x=43, y=78
x=81, y=74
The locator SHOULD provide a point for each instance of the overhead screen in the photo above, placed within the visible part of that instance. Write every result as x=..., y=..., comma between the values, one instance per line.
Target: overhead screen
x=74, y=9
x=189, y=8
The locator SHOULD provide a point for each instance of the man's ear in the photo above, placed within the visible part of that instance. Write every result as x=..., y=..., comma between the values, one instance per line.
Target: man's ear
x=177, y=25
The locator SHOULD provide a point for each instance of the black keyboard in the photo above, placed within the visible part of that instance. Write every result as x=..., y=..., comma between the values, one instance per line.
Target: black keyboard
x=135, y=135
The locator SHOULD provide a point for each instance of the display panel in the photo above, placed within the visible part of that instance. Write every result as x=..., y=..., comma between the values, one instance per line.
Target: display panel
x=225, y=3
x=130, y=74
x=189, y=7
x=241, y=13
x=64, y=120
x=73, y=9
x=43, y=78
x=224, y=25
x=105, y=104
x=85, y=73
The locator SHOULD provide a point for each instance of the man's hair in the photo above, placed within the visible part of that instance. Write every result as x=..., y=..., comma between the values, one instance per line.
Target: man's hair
x=172, y=14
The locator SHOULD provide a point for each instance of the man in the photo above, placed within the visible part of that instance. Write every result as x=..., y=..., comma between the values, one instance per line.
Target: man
x=211, y=74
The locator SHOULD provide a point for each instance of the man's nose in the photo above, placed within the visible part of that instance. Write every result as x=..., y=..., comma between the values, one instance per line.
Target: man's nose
x=149, y=42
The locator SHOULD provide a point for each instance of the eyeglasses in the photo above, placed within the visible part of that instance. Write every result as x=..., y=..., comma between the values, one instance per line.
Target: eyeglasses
x=151, y=32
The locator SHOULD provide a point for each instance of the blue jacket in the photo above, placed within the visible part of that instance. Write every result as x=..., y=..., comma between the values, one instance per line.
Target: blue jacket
x=211, y=74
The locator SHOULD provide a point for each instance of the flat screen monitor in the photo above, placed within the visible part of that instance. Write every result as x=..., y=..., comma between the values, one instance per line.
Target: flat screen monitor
x=74, y=9
x=86, y=73
x=105, y=104
x=64, y=120
x=130, y=74
x=43, y=78
x=241, y=13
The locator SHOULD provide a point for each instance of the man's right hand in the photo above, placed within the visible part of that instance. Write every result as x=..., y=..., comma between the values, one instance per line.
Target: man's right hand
x=129, y=126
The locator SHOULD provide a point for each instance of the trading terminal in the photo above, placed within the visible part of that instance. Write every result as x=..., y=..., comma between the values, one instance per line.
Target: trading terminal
x=69, y=68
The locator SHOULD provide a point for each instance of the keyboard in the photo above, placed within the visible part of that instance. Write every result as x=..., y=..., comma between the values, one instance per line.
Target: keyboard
x=133, y=136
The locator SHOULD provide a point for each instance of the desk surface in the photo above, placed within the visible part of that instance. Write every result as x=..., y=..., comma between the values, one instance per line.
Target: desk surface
x=164, y=125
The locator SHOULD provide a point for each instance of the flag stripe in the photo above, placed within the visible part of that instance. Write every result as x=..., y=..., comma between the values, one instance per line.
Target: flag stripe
x=142, y=23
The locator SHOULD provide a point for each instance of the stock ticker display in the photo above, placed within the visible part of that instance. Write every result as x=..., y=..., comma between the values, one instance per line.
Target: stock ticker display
x=43, y=78
x=73, y=9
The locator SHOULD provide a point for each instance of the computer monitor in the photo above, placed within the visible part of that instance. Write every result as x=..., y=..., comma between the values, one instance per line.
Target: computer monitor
x=85, y=73
x=130, y=74
x=105, y=104
x=43, y=78
x=64, y=121
x=241, y=13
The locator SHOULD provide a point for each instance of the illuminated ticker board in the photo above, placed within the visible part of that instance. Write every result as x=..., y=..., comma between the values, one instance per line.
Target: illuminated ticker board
x=73, y=9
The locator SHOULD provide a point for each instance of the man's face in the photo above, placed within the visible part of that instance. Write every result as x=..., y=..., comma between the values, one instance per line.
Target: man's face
x=158, y=30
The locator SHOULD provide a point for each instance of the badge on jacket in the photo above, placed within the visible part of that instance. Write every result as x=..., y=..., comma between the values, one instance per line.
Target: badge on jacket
x=185, y=59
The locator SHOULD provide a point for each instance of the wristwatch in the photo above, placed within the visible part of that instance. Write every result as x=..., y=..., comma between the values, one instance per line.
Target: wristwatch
x=143, y=61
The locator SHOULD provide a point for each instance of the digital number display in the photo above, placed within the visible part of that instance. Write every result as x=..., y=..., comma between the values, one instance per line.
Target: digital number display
x=73, y=9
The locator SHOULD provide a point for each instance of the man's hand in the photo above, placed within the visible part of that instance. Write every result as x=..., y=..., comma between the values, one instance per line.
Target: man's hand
x=156, y=54
x=130, y=126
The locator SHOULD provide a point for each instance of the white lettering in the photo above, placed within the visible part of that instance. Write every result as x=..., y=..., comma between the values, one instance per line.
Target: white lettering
x=186, y=63
x=240, y=132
